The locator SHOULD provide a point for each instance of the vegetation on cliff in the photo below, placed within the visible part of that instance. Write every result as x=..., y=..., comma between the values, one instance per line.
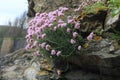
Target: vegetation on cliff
x=56, y=35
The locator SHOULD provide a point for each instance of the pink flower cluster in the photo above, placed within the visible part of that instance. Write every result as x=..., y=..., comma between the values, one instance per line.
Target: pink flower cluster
x=44, y=21
x=38, y=24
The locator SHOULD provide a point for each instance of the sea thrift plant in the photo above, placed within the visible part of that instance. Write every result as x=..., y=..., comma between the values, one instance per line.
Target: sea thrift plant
x=54, y=34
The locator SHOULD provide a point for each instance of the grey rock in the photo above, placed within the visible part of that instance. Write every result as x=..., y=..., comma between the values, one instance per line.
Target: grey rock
x=98, y=58
x=81, y=75
x=117, y=52
x=31, y=72
x=111, y=21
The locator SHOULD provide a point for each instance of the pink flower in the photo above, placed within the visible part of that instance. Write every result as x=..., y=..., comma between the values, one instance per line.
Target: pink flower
x=43, y=44
x=53, y=52
x=70, y=20
x=48, y=47
x=60, y=21
x=72, y=41
x=59, y=72
x=43, y=35
x=77, y=25
x=60, y=13
x=90, y=37
x=63, y=25
x=68, y=30
x=39, y=37
x=75, y=34
x=53, y=18
x=50, y=25
x=79, y=47
x=35, y=43
x=27, y=47
x=37, y=53
x=55, y=12
x=33, y=46
x=37, y=14
x=58, y=53
x=55, y=28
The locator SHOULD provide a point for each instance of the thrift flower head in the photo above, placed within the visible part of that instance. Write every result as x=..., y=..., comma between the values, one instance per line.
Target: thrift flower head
x=27, y=47
x=53, y=52
x=47, y=47
x=61, y=23
x=60, y=13
x=58, y=53
x=72, y=41
x=37, y=53
x=43, y=44
x=59, y=72
x=55, y=28
x=35, y=43
x=75, y=34
x=68, y=30
x=90, y=37
x=70, y=20
x=79, y=47
x=43, y=35
x=77, y=25
x=50, y=25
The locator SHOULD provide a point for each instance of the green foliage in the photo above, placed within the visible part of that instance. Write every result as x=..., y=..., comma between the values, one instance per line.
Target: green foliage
x=95, y=7
x=114, y=5
x=60, y=40
x=115, y=35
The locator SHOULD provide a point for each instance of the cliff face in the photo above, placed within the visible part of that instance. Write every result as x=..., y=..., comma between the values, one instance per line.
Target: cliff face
x=48, y=5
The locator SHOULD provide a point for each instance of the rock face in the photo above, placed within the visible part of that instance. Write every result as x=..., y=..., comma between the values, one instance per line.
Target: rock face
x=112, y=22
x=49, y=5
x=99, y=58
x=31, y=11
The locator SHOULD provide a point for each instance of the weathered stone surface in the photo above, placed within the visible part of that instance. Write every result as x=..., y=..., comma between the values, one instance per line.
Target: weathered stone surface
x=48, y=5
x=93, y=22
x=80, y=75
x=98, y=58
x=21, y=65
x=31, y=72
x=7, y=46
x=112, y=21
x=31, y=11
